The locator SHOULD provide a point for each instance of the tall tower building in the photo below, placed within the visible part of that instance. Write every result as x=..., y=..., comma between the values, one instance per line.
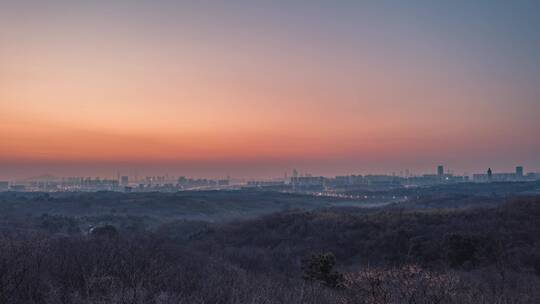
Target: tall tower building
x=519, y=171
x=489, y=173
x=440, y=170
x=294, y=179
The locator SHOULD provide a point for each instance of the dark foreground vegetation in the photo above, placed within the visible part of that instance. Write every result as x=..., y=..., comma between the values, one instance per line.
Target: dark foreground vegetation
x=324, y=255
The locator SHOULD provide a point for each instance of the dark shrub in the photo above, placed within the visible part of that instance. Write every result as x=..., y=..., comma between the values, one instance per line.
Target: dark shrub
x=319, y=268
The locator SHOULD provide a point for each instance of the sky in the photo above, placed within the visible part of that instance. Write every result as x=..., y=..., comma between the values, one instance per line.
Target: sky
x=257, y=88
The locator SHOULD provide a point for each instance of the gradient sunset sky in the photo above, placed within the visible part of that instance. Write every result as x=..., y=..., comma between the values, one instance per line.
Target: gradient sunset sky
x=257, y=88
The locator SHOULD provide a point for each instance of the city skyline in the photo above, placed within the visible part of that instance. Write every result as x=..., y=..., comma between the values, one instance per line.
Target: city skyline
x=295, y=181
x=135, y=175
x=256, y=89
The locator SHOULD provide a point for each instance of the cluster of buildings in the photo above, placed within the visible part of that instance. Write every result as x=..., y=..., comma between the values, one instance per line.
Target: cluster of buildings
x=296, y=183
x=63, y=184
x=121, y=183
x=517, y=175
x=182, y=183
x=320, y=183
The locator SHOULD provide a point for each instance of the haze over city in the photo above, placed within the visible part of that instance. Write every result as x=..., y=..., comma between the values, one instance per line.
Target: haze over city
x=257, y=88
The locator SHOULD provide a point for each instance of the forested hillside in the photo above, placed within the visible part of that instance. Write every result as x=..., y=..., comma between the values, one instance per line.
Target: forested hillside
x=325, y=255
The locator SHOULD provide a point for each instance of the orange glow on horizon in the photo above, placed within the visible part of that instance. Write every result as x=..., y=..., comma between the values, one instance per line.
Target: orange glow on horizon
x=110, y=83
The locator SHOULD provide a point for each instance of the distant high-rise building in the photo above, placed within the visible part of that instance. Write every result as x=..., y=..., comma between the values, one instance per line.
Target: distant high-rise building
x=489, y=173
x=440, y=170
x=124, y=180
x=294, y=179
x=519, y=171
